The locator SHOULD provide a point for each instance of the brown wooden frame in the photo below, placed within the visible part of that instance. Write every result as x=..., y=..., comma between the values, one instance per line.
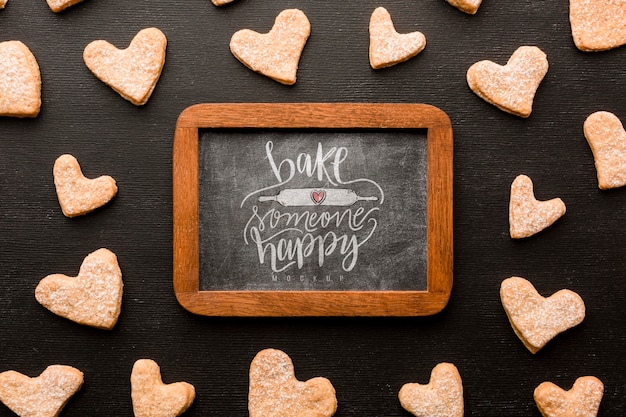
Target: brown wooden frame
x=313, y=303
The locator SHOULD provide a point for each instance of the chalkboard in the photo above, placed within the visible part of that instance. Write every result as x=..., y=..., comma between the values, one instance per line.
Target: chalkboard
x=313, y=209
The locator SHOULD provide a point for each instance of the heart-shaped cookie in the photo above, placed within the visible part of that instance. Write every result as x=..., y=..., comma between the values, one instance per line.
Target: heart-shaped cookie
x=537, y=320
x=275, y=391
x=607, y=139
x=467, y=6
x=58, y=5
x=79, y=195
x=43, y=396
x=527, y=215
x=152, y=398
x=20, y=81
x=582, y=400
x=388, y=47
x=132, y=72
x=598, y=25
x=512, y=87
x=274, y=54
x=93, y=298
x=441, y=397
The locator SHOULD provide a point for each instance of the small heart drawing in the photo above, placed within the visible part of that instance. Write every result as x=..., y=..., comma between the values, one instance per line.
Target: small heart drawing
x=512, y=87
x=58, y=5
x=152, y=398
x=20, y=88
x=582, y=400
x=607, y=138
x=274, y=54
x=598, y=25
x=79, y=195
x=132, y=72
x=318, y=196
x=42, y=396
x=275, y=391
x=537, y=320
x=93, y=298
x=442, y=396
x=387, y=46
x=527, y=215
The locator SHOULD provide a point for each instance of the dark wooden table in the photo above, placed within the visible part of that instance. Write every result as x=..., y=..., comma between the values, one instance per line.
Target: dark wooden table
x=367, y=360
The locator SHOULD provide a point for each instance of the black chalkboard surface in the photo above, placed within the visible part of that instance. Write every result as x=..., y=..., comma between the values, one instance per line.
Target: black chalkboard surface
x=297, y=210
x=324, y=202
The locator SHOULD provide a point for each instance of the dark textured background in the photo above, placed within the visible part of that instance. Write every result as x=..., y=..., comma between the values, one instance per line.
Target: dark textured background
x=367, y=360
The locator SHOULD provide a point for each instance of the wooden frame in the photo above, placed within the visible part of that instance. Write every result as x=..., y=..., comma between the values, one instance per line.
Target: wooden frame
x=313, y=303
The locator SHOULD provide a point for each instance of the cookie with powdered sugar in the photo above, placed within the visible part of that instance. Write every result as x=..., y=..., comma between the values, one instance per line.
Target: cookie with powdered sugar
x=275, y=391
x=511, y=87
x=20, y=81
x=387, y=46
x=536, y=319
x=275, y=54
x=441, y=397
x=582, y=400
x=42, y=396
x=132, y=72
x=93, y=298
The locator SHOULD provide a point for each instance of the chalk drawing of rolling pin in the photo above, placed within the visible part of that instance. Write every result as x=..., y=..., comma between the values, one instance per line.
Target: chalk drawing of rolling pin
x=316, y=197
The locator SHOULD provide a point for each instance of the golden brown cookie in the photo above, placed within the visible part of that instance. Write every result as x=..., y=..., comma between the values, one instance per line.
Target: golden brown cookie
x=20, y=81
x=527, y=215
x=152, y=398
x=537, y=320
x=275, y=54
x=441, y=397
x=79, y=195
x=275, y=391
x=58, y=5
x=582, y=400
x=598, y=25
x=467, y=6
x=607, y=138
x=511, y=87
x=3, y=3
x=42, y=396
x=132, y=72
x=221, y=2
x=388, y=47
x=93, y=298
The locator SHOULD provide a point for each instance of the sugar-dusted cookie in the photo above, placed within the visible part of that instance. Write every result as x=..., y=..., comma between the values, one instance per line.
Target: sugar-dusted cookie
x=42, y=396
x=441, y=397
x=93, y=298
x=58, y=5
x=388, y=47
x=275, y=54
x=607, y=138
x=152, y=398
x=527, y=215
x=537, y=320
x=467, y=6
x=20, y=81
x=512, y=87
x=275, y=391
x=132, y=72
x=79, y=195
x=598, y=25
x=582, y=400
